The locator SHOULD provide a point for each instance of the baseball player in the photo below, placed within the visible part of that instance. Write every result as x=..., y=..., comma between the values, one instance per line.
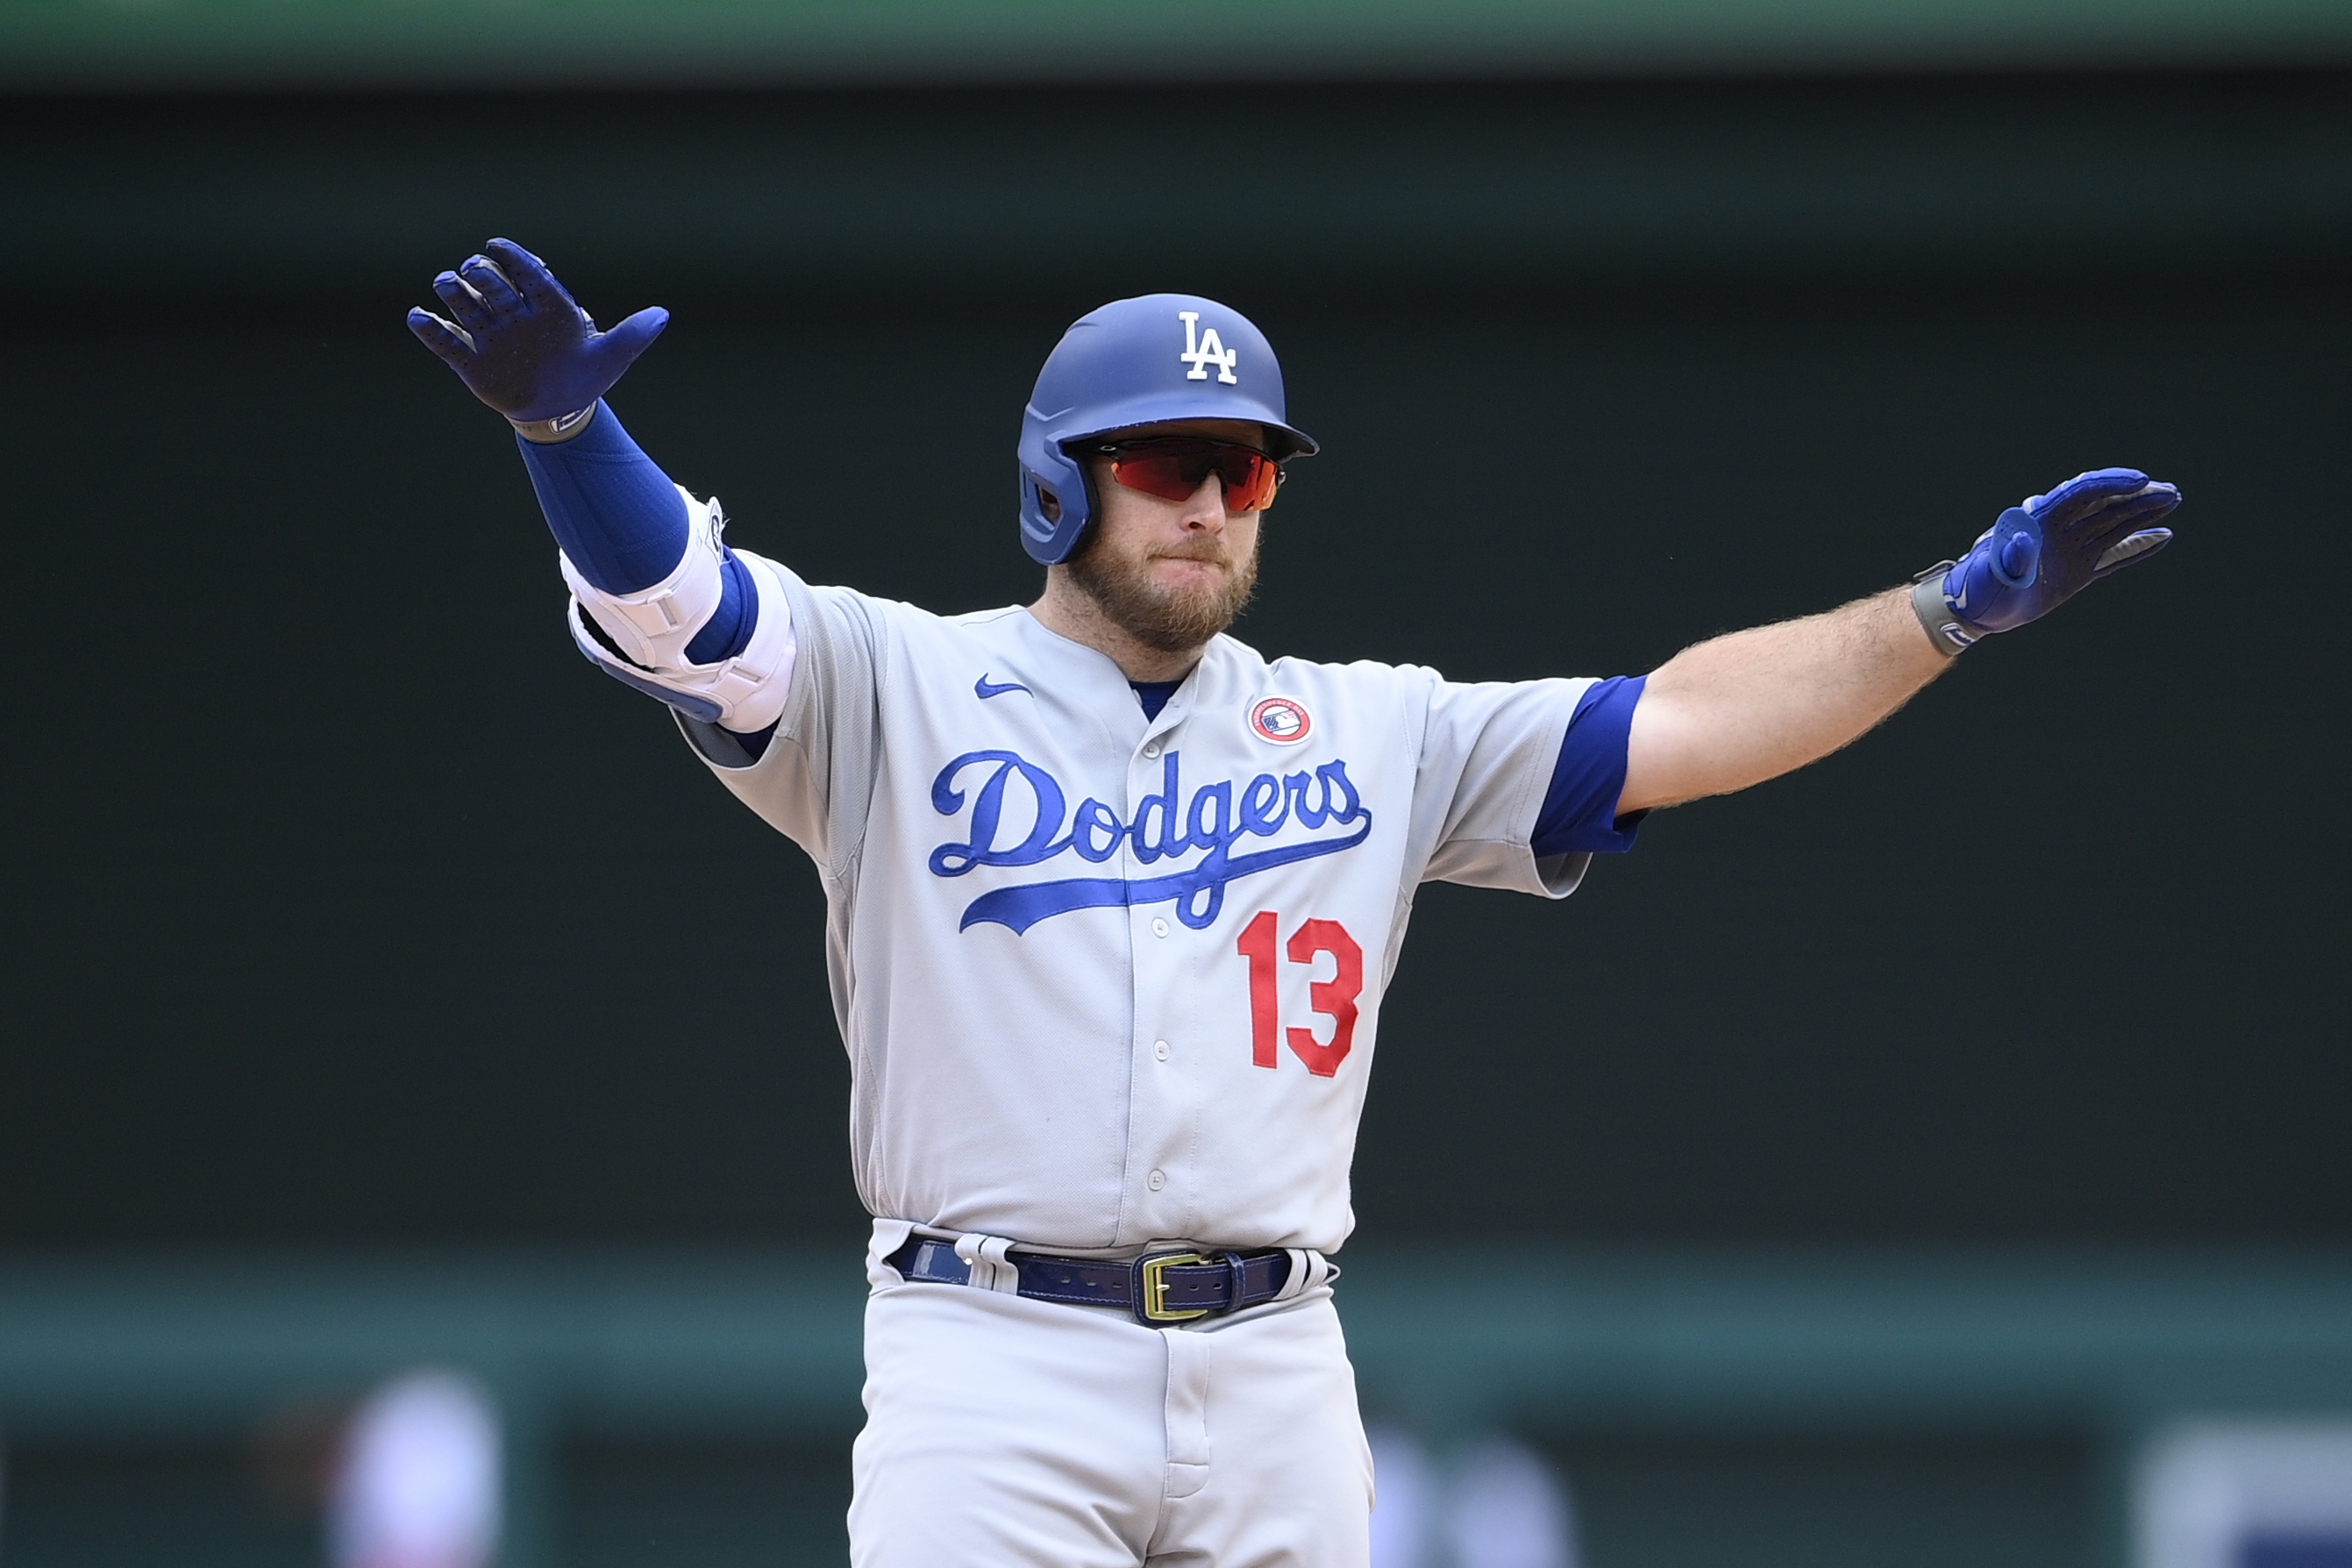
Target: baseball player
x=1114, y=898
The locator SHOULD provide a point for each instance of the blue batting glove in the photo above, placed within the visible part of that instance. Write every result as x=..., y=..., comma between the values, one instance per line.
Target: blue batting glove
x=520, y=342
x=2037, y=556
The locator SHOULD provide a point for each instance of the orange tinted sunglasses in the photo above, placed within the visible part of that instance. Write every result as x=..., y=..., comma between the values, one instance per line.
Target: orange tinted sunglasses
x=1173, y=467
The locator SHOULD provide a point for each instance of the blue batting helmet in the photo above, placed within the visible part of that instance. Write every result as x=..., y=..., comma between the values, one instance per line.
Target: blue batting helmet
x=1138, y=362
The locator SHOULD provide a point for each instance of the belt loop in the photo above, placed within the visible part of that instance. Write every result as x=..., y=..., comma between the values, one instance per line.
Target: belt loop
x=1238, y=1271
x=991, y=1269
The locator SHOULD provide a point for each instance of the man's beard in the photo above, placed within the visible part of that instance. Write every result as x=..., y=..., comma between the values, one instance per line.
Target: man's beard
x=1172, y=620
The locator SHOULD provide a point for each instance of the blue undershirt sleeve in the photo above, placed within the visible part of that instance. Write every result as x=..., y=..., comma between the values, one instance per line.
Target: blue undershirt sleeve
x=624, y=526
x=1579, y=809
x=728, y=632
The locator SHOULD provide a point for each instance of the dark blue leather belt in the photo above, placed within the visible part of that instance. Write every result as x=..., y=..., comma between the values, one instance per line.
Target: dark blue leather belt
x=1159, y=1287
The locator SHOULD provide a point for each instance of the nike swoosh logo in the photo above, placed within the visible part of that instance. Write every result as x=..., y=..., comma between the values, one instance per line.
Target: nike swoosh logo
x=984, y=688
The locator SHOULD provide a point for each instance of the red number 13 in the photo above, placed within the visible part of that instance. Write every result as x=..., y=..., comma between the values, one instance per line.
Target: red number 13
x=1335, y=998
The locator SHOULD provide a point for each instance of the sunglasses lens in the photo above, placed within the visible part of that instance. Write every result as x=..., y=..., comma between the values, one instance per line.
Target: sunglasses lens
x=1174, y=472
x=1159, y=474
x=1252, y=489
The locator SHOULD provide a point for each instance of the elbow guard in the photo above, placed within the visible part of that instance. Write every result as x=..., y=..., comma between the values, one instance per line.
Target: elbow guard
x=641, y=639
x=652, y=626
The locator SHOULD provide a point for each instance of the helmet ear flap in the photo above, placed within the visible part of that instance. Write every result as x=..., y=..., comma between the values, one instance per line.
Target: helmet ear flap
x=1056, y=503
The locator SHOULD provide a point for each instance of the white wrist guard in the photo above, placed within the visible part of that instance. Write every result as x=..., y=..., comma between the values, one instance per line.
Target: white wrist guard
x=640, y=639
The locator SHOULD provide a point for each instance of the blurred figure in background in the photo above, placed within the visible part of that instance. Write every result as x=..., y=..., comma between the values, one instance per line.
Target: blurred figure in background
x=1404, y=1489
x=2245, y=1494
x=1498, y=1505
x=418, y=1481
x=1506, y=1510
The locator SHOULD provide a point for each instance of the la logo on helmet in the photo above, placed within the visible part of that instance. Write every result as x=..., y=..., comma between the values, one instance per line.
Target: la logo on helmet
x=1202, y=350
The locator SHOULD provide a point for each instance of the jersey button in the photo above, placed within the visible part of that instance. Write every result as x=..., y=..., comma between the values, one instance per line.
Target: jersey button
x=1151, y=749
x=1159, y=928
x=1159, y=1049
x=1157, y=1180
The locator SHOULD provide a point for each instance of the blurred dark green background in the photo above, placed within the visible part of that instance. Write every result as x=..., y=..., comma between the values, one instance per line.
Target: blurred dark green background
x=348, y=909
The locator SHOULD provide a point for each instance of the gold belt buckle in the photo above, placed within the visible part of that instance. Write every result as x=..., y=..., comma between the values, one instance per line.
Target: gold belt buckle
x=1152, y=1288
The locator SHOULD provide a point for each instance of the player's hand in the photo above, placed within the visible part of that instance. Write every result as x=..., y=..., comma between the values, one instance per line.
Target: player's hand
x=521, y=343
x=2038, y=555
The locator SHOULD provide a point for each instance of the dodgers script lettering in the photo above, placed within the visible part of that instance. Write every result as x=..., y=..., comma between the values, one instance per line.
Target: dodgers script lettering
x=1167, y=826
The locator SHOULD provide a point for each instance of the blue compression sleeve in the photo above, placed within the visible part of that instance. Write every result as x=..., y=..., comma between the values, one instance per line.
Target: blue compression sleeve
x=611, y=508
x=1579, y=809
x=623, y=524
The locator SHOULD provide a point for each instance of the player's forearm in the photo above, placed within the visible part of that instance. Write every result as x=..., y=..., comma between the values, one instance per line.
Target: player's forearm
x=1749, y=706
x=614, y=514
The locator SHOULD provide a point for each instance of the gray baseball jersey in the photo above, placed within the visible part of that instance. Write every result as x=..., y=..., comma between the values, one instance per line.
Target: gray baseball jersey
x=1105, y=979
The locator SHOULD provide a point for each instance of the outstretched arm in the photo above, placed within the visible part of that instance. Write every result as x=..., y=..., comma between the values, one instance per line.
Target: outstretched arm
x=1752, y=705
x=660, y=603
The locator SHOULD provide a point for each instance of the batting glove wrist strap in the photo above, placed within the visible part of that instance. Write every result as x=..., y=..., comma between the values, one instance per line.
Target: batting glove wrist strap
x=1943, y=625
x=555, y=432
